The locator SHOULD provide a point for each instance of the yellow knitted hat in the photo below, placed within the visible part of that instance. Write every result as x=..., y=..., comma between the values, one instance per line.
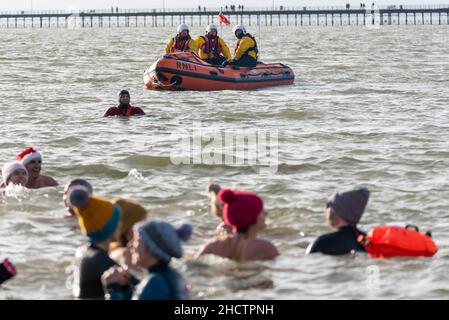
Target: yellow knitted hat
x=98, y=218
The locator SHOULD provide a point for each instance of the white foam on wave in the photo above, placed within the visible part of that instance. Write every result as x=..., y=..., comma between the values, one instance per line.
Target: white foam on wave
x=16, y=191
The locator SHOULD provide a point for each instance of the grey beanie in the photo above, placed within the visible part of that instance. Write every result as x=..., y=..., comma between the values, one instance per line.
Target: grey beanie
x=162, y=239
x=350, y=205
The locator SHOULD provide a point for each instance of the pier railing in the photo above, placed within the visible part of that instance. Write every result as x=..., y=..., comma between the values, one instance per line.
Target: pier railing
x=224, y=9
x=267, y=16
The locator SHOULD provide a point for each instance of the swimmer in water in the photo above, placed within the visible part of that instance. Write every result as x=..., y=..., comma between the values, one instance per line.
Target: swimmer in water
x=124, y=107
x=343, y=212
x=154, y=244
x=7, y=271
x=244, y=212
x=217, y=209
x=132, y=212
x=32, y=160
x=14, y=173
x=100, y=221
x=72, y=183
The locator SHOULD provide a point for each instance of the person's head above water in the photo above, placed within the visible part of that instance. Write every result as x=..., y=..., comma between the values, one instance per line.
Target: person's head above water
x=124, y=99
x=239, y=31
x=216, y=205
x=242, y=210
x=32, y=160
x=211, y=31
x=15, y=173
x=98, y=218
x=71, y=183
x=156, y=242
x=183, y=31
x=346, y=208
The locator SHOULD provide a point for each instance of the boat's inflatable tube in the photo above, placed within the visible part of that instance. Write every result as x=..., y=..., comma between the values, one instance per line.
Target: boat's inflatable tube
x=186, y=71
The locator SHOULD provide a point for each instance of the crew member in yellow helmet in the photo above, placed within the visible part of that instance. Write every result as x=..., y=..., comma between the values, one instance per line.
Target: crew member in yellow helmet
x=245, y=53
x=212, y=48
x=182, y=42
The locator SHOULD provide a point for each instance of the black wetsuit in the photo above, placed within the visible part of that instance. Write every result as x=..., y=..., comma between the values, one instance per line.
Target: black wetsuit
x=341, y=242
x=93, y=263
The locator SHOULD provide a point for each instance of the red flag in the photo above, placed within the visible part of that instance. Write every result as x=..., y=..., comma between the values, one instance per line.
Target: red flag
x=221, y=18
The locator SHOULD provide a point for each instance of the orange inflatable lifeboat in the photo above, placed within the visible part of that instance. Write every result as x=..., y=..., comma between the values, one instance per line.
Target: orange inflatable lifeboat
x=186, y=71
x=393, y=241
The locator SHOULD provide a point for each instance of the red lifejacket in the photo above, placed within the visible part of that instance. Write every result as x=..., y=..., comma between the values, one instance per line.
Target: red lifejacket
x=129, y=110
x=393, y=241
x=180, y=45
x=211, y=46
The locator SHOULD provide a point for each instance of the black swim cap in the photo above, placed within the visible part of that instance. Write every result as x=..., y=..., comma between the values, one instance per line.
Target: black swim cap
x=123, y=92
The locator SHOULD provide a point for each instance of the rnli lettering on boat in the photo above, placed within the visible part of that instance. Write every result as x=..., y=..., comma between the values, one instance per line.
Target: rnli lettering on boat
x=185, y=66
x=186, y=71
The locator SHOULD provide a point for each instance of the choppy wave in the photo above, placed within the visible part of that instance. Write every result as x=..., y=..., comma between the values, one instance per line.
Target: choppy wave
x=367, y=108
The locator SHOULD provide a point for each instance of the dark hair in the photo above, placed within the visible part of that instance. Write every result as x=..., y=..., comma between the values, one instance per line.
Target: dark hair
x=124, y=92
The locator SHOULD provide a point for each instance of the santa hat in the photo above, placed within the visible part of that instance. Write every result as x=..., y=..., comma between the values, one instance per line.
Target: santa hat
x=28, y=155
x=9, y=168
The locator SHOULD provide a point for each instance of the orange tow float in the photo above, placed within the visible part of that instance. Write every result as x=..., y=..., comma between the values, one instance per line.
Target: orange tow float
x=393, y=241
x=186, y=71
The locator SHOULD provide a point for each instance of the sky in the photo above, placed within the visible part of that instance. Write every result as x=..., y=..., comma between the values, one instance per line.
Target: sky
x=8, y=5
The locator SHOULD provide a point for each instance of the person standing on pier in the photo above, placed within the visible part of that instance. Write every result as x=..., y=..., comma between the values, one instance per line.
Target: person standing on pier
x=212, y=48
x=245, y=53
x=182, y=42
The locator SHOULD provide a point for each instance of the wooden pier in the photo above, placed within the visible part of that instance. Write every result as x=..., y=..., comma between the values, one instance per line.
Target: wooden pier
x=438, y=15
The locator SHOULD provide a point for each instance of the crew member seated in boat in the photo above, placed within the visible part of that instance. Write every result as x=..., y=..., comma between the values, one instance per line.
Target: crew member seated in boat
x=124, y=107
x=212, y=48
x=245, y=53
x=343, y=212
x=182, y=42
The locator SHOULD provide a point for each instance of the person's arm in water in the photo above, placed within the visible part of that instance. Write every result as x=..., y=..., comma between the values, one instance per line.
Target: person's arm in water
x=138, y=111
x=109, y=112
x=169, y=45
x=244, y=45
x=315, y=246
x=225, y=49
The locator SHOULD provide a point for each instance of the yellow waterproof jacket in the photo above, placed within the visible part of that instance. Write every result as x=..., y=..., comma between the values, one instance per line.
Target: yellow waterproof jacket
x=190, y=47
x=201, y=40
x=247, y=45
